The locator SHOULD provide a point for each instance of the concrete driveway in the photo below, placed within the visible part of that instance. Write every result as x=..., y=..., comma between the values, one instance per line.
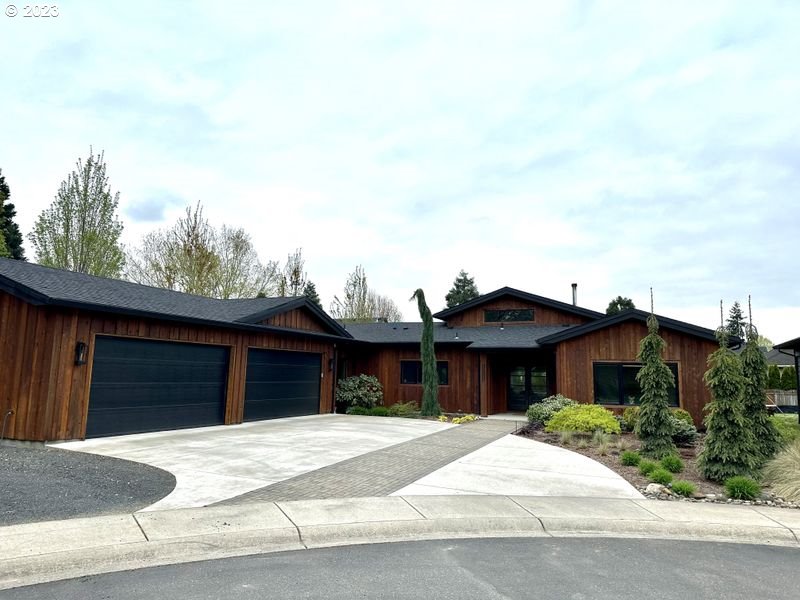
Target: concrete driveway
x=212, y=464
x=515, y=465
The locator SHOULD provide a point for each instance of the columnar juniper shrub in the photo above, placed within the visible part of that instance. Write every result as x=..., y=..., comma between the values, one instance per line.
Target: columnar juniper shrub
x=683, y=488
x=742, y=488
x=730, y=447
x=661, y=476
x=430, y=377
x=630, y=459
x=542, y=412
x=654, y=426
x=672, y=463
x=754, y=398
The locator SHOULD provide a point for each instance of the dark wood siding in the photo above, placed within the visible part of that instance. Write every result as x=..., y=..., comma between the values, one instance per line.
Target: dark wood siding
x=574, y=360
x=461, y=394
x=49, y=393
x=543, y=315
x=299, y=318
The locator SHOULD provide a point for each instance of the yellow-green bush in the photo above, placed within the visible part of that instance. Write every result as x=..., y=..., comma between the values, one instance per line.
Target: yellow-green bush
x=464, y=419
x=584, y=417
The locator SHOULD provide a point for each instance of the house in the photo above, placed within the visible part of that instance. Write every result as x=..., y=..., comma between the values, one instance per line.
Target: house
x=84, y=356
x=506, y=349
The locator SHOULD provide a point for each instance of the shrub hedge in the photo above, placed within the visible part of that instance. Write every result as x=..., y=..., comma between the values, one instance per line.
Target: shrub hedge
x=585, y=418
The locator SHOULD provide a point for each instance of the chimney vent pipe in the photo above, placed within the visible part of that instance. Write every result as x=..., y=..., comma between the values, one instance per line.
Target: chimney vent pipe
x=574, y=294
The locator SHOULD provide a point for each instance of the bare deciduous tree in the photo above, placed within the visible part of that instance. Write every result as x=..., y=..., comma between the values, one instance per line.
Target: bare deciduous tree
x=360, y=304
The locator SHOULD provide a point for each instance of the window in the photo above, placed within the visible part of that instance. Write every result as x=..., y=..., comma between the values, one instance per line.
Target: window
x=411, y=372
x=615, y=383
x=505, y=316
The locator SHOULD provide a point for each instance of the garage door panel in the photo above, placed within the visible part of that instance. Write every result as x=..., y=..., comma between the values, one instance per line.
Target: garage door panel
x=151, y=385
x=281, y=384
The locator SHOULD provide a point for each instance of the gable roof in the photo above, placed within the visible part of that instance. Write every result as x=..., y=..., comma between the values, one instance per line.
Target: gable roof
x=520, y=295
x=41, y=285
x=790, y=345
x=633, y=314
x=485, y=338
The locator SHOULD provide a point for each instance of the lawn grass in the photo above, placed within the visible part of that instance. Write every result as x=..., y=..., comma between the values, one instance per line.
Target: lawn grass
x=788, y=427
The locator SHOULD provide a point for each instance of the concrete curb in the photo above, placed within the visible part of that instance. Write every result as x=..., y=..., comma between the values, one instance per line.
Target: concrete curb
x=42, y=552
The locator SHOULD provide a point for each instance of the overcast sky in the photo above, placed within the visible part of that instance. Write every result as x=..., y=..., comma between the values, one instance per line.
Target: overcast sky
x=620, y=145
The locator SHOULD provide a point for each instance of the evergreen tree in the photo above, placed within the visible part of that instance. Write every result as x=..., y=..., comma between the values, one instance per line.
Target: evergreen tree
x=463, y=290
x=618, y=304
x=80, y=231
x=10, y=235
x=788, y=378
x=735, y=325
x=310, y=292
x=654, y=427
x=754, y=369
x=774, y=378
x=730, y=447
x=430, y=376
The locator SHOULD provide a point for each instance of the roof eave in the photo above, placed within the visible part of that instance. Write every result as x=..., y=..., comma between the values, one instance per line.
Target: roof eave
x=585, y=312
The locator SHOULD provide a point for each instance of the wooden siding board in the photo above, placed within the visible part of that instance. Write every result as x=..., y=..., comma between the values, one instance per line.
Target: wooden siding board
x=543, y=315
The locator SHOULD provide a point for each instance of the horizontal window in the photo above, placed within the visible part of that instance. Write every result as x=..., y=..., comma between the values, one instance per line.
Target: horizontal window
x=411, y=372
x=615, y=383
x=505, y=316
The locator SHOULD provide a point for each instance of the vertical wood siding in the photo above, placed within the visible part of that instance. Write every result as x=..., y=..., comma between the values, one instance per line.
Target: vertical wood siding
x=461, y=393
x=543, y=315
x=574, y=360
x=299, y=318
x=50, y=394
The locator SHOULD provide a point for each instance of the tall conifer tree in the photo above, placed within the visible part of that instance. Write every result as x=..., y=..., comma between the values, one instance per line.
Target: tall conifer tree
x=463, y=290
x=654, y=427
x=430, y=377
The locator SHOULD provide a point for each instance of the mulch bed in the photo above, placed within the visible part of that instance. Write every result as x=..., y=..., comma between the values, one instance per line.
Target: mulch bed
x=630, y=442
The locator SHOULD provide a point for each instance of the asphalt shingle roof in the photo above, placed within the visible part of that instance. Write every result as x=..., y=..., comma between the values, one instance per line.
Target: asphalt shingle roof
x=486, y=337
x=47, y=285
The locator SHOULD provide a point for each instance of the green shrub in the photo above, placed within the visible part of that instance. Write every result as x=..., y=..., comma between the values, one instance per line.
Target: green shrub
x=683, y=433
x=358, y=410
x=403, y=409
x=359, y=390
x=774, y=378
x=788, y=378
x=585, y=418
x=630, y=459
x=783, y=472
x=380, y=411
x=661, y=476
x=683, y=488
x=630, y=416
x=542, y=412
x=647, y=466
x=742, y=488
x=672, y=463
x=683, y=415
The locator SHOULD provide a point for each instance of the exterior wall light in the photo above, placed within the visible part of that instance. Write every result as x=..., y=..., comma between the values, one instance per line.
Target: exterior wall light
x=80, y=353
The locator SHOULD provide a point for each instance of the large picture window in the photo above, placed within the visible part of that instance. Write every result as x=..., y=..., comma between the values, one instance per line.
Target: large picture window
x=411, y=372
x=506, y=316
x=615, y=383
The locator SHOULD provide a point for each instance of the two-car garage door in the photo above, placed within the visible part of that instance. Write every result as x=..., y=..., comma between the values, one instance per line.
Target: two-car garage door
x=153, y=385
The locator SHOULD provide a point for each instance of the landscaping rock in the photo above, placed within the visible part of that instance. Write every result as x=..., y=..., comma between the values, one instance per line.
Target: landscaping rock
x=656, y=488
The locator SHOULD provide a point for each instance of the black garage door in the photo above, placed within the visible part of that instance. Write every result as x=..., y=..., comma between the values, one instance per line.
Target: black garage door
x=144, y=385
x=281, y=384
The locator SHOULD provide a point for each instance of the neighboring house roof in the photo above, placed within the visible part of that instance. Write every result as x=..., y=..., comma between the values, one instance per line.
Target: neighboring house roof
x=41, y=285
x=520, y=295
x=781, y=359
x=484, y=337
x=630, y=315
x=790, y=345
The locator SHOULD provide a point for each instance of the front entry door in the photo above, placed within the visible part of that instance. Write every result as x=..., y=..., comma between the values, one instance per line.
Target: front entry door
x=526, y=385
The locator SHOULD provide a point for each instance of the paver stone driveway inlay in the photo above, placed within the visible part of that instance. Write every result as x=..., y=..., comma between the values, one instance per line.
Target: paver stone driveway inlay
x=215, y=463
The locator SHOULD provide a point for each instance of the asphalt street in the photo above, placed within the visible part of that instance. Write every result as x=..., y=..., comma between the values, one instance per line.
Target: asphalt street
x=486, y=569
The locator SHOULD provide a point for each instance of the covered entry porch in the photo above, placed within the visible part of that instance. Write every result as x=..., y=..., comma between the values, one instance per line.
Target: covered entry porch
x=512, y=380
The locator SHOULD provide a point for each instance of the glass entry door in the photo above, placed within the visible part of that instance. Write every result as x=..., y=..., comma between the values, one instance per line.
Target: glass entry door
x=526, y=385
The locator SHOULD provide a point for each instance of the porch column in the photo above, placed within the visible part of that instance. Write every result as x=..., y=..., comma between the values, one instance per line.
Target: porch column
x=483, y=386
